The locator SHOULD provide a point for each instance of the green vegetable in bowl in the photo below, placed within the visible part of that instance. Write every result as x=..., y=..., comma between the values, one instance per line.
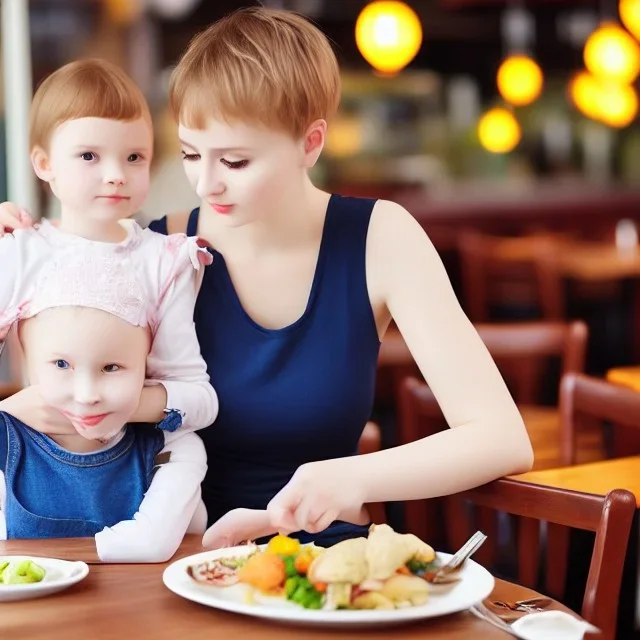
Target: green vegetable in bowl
x=21, y=572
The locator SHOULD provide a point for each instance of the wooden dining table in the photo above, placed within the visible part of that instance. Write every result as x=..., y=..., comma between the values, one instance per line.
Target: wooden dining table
x=595, y=477
x=543, y=426
x=599, y=478
x=130, y=601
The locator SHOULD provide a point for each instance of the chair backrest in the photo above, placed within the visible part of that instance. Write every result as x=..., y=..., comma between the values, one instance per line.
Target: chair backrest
x=585, y=400
x=487, y=260
x=610, y=517
x=524, y=345
x=522, y=350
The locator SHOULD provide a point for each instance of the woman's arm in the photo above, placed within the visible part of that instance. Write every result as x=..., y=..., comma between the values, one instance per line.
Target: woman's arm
x=487, y=438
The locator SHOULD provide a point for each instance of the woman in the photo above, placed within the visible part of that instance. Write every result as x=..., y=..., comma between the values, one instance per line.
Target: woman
x=302, y=288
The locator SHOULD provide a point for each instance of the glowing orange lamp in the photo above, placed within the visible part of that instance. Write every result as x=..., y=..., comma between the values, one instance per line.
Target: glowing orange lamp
x=499, y=131
x=610, y=52
x=388, y=35
x=519, y=80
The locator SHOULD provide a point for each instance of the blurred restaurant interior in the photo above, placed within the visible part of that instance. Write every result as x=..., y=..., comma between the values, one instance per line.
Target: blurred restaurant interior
x=491, y=121
x=510, y=130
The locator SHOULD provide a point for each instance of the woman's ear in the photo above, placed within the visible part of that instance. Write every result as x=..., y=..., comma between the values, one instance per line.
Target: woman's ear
x=314, y=142
x=41, y=164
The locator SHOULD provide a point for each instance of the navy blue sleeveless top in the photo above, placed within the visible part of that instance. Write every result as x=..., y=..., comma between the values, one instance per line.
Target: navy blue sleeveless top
x=291, y=395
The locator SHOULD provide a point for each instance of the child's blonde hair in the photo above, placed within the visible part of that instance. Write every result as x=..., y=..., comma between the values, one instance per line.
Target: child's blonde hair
x=89, y=88
x=257, y=65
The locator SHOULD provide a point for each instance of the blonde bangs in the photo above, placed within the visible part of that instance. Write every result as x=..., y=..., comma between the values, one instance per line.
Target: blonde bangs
x=84, y=89
x=257, y=66
x=234, y=95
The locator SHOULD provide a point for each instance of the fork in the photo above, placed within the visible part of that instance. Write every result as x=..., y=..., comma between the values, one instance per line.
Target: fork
x=480, y=611
x=456, y=561
x=532, y=605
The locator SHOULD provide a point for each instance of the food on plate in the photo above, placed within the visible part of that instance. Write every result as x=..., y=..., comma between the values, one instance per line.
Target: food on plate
x=387, y=550
x=264, y=571
x=221, y=572
x=283, y=545
x=383, y=571
x=20, y=572
x=386, y=570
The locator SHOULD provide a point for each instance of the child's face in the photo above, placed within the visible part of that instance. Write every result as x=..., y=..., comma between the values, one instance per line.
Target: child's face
x=242, y=173
x=98, y=168
x=88, y=364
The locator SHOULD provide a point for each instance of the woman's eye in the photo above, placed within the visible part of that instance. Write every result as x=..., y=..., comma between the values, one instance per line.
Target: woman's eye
x=111, y=368
x=88, y=156
x=239, y=164
x=190, y=157
x=61, y=364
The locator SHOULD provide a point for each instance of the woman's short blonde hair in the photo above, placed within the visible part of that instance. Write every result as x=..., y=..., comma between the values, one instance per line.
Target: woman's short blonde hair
x=262, y=66
x=89, y=88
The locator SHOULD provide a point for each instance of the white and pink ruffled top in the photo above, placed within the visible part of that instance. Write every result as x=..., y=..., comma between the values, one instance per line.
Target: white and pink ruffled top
x=147, y=280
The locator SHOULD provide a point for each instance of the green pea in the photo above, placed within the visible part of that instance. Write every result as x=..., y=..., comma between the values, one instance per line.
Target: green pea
x=290, y=586
x=299, y=595
x=290, y=566
x=313, y=600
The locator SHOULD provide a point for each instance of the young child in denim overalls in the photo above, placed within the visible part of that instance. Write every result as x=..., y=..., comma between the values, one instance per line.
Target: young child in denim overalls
x=105, y=316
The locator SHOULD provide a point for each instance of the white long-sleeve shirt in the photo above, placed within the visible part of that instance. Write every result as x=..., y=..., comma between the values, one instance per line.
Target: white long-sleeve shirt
x=168, y=269
x=171, y=282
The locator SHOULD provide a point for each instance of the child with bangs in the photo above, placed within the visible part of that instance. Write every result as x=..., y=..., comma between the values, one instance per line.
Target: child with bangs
x=301, y=291
x=91, y=142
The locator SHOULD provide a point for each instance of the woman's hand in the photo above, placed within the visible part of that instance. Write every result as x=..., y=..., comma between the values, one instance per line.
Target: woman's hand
x=236, y=527
x=13, y=217
x=318, y=494
x=28, y=406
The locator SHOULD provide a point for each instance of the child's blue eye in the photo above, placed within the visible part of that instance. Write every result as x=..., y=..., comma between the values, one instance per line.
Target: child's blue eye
x=88, y=156
x=61, y=364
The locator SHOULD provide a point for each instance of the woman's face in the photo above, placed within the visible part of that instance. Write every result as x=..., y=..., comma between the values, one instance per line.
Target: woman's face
x=242, y=173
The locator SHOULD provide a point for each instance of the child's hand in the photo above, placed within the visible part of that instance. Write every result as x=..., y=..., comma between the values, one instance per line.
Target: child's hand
x=318, y=494
x=29, y=406
x=236, y=527
x=13, y=217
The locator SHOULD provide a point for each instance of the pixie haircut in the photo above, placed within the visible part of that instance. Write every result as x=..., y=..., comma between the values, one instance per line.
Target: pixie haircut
x=89, y=88
x=261, y=66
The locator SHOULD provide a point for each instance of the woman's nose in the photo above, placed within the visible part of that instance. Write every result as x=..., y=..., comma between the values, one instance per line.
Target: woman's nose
x=209, y=183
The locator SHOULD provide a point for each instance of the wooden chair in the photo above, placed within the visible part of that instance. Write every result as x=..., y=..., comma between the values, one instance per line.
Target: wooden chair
x=510, y=268
x=585, y=400
x=610, y=517
x=520, y=349
x=525, y=345
x=370, y=442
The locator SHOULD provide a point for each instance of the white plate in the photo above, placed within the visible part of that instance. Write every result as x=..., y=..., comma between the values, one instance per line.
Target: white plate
x=476, y=584
x=60, y=574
